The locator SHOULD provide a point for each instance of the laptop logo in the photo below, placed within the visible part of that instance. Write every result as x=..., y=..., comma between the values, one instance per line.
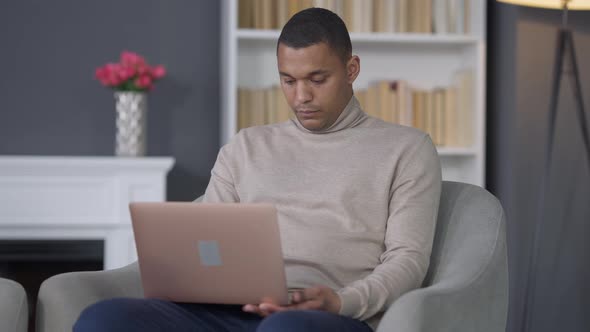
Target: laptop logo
x=209, y=253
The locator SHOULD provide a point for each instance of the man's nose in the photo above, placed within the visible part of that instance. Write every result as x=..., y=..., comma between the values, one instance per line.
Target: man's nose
x=303, y=93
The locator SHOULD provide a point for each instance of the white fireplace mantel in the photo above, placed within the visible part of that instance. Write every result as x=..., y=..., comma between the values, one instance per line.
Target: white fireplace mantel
x=78, y=198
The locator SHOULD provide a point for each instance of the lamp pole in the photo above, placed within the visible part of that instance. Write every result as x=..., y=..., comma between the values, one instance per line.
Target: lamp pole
x=565, y=51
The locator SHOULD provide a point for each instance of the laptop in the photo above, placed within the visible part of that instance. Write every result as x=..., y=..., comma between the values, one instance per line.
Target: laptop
x=224, y=253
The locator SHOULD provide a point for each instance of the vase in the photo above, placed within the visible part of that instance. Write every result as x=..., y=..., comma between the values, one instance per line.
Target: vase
x=131, y=124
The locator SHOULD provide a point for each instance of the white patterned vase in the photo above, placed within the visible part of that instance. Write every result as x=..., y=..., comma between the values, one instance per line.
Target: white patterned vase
x=131, y=124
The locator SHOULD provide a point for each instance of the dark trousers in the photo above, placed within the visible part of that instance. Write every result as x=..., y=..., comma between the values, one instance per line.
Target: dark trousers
x=125, y=314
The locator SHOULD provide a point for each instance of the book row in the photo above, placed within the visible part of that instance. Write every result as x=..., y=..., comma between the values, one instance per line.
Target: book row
x=388, y=16
x=446, y=113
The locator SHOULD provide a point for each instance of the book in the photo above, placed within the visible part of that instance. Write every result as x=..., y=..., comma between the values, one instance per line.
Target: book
x=282, y=13
x=294, y=7
x=389, y=9
x=366, y=18
x=456, y=16
x=404, y=103
x=466, y=16
x=268, y=9
x=270, y=106
x=440, y=17
x=361, y=96
x=465, y=107
x=426, y=17
x=385, y=97
x=428, y=112
x=256, y=111
x=246, y=14
x=414, y=15
x=281, y=107
x=401, y=16
x=372, y=101
x=450, y=131
x=418, y=109
x=332, y=5
x=438, y=116
x=243, y=107
x=347, y=12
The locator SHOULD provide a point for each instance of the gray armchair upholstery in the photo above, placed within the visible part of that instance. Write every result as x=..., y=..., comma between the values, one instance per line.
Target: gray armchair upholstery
x=466, y=288
x=63, y=297
x=14, y=311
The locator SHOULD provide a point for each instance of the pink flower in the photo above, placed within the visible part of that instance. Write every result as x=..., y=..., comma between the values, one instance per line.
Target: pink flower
x=126, y=73
x=112, y=74
x=114, y=80
x=158, y=72
x=107, y=75
x=131, y=59
x=143, y=69
x=143, y=81
x=101, y=74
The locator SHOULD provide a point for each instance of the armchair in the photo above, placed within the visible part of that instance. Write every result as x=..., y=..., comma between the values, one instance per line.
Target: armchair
x=466, y=288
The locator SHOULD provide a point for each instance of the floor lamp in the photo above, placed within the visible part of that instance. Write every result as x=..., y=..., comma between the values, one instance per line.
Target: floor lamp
x=564, y=52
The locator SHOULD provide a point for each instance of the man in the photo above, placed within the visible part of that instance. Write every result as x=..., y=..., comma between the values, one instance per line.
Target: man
x=357, y=200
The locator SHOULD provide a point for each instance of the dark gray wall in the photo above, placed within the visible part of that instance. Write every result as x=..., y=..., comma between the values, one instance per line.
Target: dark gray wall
x=520, y=60
x=50, y=103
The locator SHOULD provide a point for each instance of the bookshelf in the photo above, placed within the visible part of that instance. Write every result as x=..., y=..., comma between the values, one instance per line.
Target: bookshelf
x=424, y=60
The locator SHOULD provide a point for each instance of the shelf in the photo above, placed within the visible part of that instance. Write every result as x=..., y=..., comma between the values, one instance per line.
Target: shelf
x=456, y=152
x=404, y=38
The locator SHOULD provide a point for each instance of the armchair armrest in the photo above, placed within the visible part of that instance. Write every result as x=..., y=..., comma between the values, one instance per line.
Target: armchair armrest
x=14, y=313
x=63, y=297
x=465, y=302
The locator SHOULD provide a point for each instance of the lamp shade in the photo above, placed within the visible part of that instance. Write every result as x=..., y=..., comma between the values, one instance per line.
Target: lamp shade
x=552, y=4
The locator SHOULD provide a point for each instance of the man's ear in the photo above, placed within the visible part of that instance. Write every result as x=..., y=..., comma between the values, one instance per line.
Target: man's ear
x=353, y=68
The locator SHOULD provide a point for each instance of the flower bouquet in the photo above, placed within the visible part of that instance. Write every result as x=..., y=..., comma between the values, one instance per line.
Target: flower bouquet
x=132, y=73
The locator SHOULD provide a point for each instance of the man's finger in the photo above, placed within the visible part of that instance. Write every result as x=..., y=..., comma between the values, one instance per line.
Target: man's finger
x=307, y=305
x=297, y=297
x=311, y=293
x=271, y=308
x=253, y=309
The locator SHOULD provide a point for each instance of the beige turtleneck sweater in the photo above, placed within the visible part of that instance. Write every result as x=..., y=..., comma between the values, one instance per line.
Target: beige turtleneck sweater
x=357, y=203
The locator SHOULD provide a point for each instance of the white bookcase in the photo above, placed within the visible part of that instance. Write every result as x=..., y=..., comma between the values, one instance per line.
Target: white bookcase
x=425, y=60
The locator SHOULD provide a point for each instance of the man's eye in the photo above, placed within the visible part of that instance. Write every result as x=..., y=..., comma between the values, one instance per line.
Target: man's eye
x=289, y=82
x=318, y=81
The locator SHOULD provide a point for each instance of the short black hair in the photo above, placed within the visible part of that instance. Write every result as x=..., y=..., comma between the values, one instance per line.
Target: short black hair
x=317, y=25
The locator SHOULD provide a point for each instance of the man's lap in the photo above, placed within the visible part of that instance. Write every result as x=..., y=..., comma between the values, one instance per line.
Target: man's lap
x=125, y=314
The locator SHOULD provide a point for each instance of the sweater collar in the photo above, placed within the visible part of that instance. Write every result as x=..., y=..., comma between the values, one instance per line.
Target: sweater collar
x=350, y=117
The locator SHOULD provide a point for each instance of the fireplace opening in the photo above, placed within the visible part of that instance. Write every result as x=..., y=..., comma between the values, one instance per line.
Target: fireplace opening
x=30, y=262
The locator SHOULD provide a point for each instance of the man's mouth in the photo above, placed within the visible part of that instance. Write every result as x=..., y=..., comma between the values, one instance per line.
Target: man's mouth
x=307, y=114
x=307, y=111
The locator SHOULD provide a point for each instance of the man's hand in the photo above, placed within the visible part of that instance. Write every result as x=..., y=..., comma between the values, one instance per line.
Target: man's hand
x=314, y=298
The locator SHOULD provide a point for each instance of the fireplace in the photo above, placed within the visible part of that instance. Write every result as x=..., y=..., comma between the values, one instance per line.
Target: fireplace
x=61, y=214
x=30, y=262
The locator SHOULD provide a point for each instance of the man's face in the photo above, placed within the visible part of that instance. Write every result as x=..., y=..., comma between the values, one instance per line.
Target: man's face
x=316, y=82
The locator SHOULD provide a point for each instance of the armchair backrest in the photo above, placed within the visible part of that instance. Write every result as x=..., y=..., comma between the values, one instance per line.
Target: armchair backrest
x=470, y=241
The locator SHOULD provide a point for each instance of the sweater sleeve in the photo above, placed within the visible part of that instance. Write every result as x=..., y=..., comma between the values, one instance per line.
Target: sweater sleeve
x=413, y=208
x=221, y=187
